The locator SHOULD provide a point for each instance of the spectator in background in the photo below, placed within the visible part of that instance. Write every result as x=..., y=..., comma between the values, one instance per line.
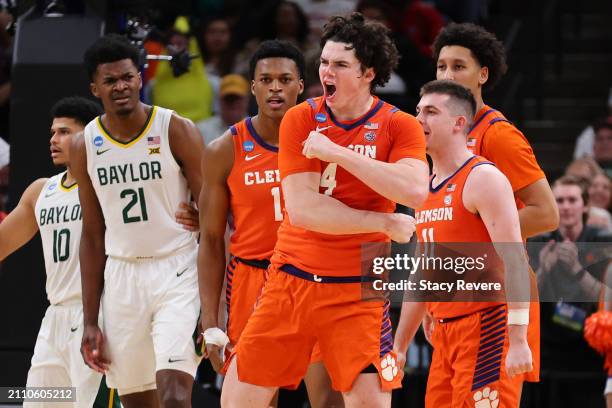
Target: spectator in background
x=602, y=146
x=217, y=52
x=283, y=20
x=233, y=102
x=413, y=70
x=584, y=142
x=600, y=191
x=569, y=277
x=587, y=171
x=585, y=168
x=190, y=94
x=421, y=23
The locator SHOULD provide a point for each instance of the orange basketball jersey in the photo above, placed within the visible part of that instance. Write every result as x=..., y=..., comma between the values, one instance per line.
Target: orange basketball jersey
x=383, y=133
x=494, y=137
x=255, y=196
x=442, y=218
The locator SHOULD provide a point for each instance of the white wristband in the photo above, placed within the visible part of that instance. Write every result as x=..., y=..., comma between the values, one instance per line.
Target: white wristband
x=519, y=317
x=216, y=336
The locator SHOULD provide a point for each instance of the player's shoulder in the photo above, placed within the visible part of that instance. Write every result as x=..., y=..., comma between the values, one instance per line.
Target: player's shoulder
x=32, y=192
x=484, y=174
x=219, y=154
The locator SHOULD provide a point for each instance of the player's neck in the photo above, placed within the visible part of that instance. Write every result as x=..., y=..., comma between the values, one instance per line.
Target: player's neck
x=68, y=178
x=267, y=128
x=448, y=160
x=355, y=109
x=571, y=232
x=479, y=102
x=125, y=127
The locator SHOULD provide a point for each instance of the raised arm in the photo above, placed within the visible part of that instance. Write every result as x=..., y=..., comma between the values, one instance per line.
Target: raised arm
x=404, y=179
x=214, y=202
x=187, y=146
x=20, y=225
x=92, y=256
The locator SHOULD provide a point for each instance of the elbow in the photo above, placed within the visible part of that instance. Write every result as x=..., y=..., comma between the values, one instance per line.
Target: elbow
x=551, y=220
x=415, y=195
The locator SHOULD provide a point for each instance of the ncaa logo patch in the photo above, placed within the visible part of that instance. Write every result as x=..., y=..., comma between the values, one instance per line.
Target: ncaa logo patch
x=320, y=117
x=52, y=186
x=448, y=199
x=370, y=136
x=248, y=146
x=98, y=141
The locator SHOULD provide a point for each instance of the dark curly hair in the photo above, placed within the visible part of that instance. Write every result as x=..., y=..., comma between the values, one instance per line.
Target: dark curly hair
x=82, y=110
x=110, y=48
x=371, y=42
x=486, y=48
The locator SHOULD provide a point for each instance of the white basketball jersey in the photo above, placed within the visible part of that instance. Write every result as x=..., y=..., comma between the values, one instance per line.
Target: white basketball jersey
x=58, y=214
x=139, y=186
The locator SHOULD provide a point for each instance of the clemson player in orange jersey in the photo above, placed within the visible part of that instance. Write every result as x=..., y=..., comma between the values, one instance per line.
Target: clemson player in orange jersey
x=473, y=57
x=471, y=342
x=241, y=179
x=345, y=159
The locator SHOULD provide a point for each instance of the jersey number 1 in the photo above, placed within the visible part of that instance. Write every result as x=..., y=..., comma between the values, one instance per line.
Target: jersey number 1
x=278, y=214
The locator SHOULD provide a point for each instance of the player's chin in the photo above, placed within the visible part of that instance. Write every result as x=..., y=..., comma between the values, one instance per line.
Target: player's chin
x=59, y=161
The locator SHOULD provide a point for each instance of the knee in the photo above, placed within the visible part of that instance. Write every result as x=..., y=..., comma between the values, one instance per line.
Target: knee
x=171, y=399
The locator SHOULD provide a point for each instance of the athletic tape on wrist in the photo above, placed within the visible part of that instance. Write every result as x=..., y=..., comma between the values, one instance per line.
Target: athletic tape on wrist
x=519, y=317
x=216, y=336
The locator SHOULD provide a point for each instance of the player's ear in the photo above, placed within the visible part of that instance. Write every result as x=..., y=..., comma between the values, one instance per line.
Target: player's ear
x=94, y=89
x=460, y=122
x=484, y=75
x=253, y=87
x=139, y=81
x=369, y=74
x=301, y=82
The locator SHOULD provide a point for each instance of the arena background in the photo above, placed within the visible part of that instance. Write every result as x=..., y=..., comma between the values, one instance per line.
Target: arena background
x=558, y=83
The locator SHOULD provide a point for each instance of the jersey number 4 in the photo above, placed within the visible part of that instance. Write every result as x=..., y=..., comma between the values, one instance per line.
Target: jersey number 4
x=328, y=178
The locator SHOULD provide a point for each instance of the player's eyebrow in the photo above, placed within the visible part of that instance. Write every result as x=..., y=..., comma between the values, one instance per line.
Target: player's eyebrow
x=424, y=107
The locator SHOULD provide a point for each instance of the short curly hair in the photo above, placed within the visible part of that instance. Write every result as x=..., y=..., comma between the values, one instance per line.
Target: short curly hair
x=110, y=48
x=486, y=48
x=82, y=110
x=371, y=42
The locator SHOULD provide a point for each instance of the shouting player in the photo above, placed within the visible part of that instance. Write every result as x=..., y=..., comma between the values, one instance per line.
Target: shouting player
x=345, y=159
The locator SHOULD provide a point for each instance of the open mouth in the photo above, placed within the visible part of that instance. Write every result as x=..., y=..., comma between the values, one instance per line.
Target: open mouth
x=330, y=90
x=275, y=102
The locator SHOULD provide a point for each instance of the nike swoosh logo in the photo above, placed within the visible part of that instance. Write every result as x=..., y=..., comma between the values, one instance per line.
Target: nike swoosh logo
x=181, y=272
x=323, y=128
x=49, y=195
x=73, y=329
x=99, y=152
x=247, y=157
x=171, y=360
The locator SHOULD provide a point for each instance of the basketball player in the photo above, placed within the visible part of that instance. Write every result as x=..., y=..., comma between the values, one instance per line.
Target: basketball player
x=481, y=349
x=134, y=165
x=51, y=206
x=240, y=177
x=344, y=160
x=473, y=57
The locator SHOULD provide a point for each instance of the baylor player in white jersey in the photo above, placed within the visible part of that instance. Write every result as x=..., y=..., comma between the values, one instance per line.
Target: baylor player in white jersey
x=51, y=206
x=134, y=165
